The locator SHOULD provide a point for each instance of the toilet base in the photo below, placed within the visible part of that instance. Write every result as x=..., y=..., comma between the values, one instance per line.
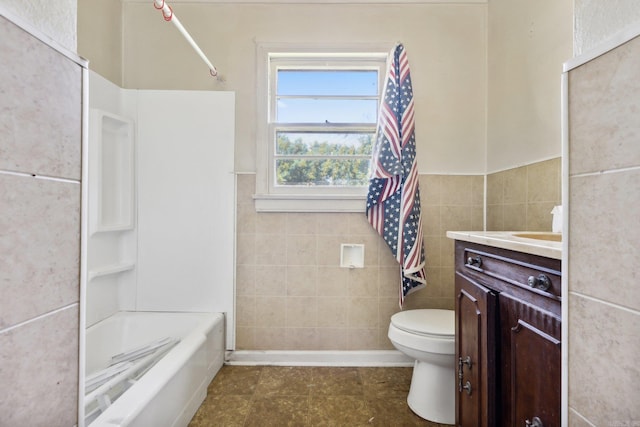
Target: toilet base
x=432, y=395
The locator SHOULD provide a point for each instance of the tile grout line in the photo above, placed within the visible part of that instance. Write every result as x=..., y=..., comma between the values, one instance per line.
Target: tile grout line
x=39, y=317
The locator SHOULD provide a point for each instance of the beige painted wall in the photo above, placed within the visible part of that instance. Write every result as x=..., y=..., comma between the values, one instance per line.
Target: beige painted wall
x=528, y=43
x=598, y=20
x=56, y=19
x=446, y=46
x=100, y=40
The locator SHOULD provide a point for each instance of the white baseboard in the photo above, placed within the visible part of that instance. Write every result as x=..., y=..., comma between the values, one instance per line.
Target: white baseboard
x=382, y=358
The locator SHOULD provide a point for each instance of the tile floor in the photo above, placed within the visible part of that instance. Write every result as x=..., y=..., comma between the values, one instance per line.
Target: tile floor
x=308, y=396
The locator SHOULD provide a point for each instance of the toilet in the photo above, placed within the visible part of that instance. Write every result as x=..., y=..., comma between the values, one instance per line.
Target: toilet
x=428, y=336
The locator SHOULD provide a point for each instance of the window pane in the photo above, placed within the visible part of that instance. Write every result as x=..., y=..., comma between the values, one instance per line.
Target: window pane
x=327, y=172
x=309, y=110
x=328, y=82
x=324, y=143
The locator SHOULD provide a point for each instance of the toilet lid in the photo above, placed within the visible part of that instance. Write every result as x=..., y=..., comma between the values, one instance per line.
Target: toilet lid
x=426, y=322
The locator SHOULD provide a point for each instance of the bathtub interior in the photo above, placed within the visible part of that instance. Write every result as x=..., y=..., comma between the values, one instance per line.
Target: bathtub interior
x=189, y=352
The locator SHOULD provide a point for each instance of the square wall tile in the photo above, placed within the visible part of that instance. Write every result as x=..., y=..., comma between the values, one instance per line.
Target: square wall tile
x=477, y=190
x=542, y=181
x=301, y=223
x=39, y=371
x=363, y=339
x=271, y=311
x=363, y=312
x=332, y=312
x=301, y=338
x=456, y=190
x=301, y=280
x=339, y=224
x=332, y=338
x=539, y=216
x=603, y=373
x=495, y=188
x=40, y=124
x=603, y=112
x=246, y=218
x=244, y=338
x=515, y=185
x=271, y=280
x=246, y=311
x=515, y=217
x=495, y=218
x=431, y=189
x=319, y=298
x=269, y=338
x=302, y=250
x=328, y=249
x=518, y=198
x=604, y=213
x=332, y=281
x=40, y=246
x=301, y=312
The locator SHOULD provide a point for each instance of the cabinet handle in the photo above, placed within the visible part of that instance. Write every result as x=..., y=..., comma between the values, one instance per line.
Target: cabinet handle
x=541, y=282
x=467, y=387
x=474, y=261
x=535, y=422
x=461, y=363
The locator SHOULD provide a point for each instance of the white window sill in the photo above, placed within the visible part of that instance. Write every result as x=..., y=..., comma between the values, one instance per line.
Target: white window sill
x=309, y=203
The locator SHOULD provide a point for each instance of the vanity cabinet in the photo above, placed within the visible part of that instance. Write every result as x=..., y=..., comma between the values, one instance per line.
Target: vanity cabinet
x=508, y=329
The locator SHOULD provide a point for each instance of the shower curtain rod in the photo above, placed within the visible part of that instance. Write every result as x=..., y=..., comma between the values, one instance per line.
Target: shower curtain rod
x=168, y=15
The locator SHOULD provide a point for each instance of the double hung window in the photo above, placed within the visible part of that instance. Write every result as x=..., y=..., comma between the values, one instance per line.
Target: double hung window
x=320, y=127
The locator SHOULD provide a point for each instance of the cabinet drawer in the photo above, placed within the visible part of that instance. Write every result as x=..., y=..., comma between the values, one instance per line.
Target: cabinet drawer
x=503, y=268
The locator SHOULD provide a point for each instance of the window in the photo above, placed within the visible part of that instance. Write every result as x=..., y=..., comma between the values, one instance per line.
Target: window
x=318, y=129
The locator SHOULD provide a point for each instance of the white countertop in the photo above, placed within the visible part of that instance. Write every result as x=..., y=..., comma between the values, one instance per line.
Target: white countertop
x=509, y=240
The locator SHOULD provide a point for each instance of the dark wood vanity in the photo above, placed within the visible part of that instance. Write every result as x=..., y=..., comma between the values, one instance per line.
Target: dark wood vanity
x=508, y=330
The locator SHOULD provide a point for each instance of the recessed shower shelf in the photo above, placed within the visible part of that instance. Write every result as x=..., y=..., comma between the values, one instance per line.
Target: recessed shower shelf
x=111, y=269
x=111, y=174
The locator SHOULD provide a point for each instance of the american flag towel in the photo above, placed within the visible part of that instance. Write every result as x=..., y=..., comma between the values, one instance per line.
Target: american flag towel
x=393, y=201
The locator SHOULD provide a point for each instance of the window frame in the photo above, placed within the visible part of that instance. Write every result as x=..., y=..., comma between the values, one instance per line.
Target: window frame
x=270, y=58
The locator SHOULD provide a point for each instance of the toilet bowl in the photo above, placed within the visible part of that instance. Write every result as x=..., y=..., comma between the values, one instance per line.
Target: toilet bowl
x=428, y=336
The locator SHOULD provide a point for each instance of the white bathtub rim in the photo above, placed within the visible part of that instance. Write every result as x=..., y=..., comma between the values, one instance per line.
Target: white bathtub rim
x=139, y=395
x=145, y=389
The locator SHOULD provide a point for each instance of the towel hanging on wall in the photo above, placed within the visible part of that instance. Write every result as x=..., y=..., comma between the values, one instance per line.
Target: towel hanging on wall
x=393, y=201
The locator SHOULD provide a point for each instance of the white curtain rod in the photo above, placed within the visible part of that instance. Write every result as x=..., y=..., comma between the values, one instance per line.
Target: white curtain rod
x=168, y=15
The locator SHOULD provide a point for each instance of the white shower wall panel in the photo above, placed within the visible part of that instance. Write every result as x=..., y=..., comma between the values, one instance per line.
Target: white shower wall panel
x=186, y=189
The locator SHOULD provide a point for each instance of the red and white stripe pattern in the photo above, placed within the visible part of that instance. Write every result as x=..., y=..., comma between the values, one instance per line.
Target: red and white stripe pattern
x=393, y=203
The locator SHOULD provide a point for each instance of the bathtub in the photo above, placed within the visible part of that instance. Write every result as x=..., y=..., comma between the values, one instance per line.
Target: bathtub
x=171, y=391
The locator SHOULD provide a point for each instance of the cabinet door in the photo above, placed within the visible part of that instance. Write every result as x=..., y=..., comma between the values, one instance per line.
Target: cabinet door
x=531, y=358
x=475, y=329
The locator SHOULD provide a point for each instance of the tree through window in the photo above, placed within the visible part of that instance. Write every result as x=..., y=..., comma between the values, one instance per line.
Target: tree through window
x=324, y=119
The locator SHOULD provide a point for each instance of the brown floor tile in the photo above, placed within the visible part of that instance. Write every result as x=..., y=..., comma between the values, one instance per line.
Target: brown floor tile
x=339, y=411
x=284, y=381
x=386, y=382
x=235, y=380
x=308, y=396
x=336, y=381
x=223, y=411
x=394, y=412
x=279, y=411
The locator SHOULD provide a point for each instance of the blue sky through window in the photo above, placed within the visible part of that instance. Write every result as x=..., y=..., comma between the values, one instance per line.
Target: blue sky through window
x=329, y=82
x=313, y=91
